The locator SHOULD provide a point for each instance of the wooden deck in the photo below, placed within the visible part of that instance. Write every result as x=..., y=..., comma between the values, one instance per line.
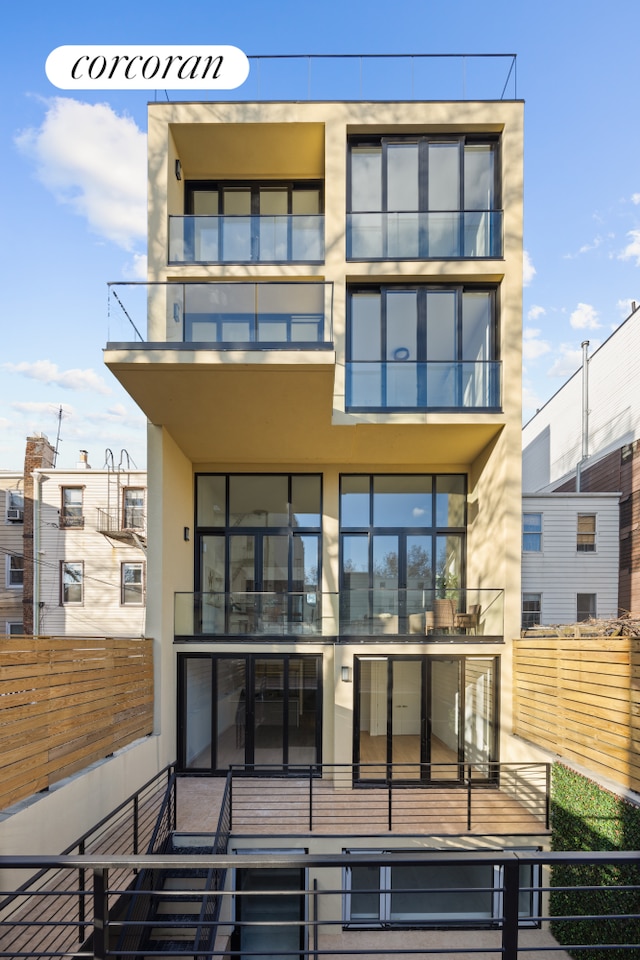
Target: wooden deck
x=274, y=807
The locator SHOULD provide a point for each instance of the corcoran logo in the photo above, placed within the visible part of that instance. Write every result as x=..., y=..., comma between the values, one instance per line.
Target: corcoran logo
x=147, y=68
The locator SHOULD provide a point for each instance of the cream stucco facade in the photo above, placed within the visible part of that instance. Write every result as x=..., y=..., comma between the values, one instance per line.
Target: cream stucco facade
x=238, y=410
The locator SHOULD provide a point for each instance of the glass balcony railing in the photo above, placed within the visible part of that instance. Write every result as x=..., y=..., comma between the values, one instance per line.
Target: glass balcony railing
x=295, y=315
x=246, y=239
x=418, y=386
x=436, y=235
x=358, y=612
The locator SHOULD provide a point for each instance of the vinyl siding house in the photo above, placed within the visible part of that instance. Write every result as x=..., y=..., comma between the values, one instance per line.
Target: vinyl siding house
x=554, y=439
x=570, y=547
x=11, y=552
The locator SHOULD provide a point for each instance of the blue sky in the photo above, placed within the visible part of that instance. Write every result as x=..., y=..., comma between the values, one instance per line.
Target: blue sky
x=74, y=171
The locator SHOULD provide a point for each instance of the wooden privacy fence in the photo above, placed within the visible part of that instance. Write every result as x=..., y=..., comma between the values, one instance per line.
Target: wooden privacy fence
x=66, y=702
x=580, y=698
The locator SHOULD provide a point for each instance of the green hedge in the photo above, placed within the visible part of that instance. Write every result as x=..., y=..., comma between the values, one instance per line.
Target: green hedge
x=585, y=816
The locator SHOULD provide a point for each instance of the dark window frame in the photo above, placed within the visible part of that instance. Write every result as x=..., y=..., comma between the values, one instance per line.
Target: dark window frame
x=527, y=620
x=422, y=289
x=255, y=186
x=249, y=745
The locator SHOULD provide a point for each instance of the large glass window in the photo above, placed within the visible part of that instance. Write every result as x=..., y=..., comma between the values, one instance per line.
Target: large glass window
x=262, y=709
x=403, y=550
x=258, y=553
x=418, y=197
x=133, y=508
x=420, y=348
x=249, y=222
x=433, y=894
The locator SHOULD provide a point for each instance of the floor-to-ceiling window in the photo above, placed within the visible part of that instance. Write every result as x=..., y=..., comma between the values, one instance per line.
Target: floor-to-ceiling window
x=402, y=550
x=422, y=347
x=424, y=718
x=262, y=709
x=258, y=553
x=423, y=197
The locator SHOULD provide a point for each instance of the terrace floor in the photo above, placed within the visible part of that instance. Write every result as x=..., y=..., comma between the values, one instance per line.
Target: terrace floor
x=282, y=806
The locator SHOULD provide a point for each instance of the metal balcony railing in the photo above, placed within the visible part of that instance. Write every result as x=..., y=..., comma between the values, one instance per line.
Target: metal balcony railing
x=240, y=315
x=420, y=614
x=318, y=905
x=408, y=385
x=435, y=235
x=292, y=238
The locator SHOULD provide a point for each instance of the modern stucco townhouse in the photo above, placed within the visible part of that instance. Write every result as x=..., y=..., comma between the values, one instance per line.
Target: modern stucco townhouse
x=332, y=375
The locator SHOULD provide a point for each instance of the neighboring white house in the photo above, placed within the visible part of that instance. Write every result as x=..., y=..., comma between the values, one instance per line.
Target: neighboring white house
x=570, y=554
x=90, y=550
x=605, y=443
x=11, y=553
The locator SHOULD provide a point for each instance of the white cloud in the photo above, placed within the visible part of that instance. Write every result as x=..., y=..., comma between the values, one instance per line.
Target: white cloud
x=94, y=160
x=532, y=346
x=535, y=313
x=33, y=406
x=528, y=269
x=569, y=359
x=585, y=317
x=624, y=307
x=136, y=268
x=48, y=372
x=635, y=198
x=632, y=249
x=118, y=414
x=4, y=423
x=530, y=401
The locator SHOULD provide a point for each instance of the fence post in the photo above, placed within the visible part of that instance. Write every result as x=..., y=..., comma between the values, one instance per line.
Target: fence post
x=136, y=838
x=510, y=896
x=81, y=904
x=100, y=912
x=548, y=798
x=390, y=813
x=310, y=798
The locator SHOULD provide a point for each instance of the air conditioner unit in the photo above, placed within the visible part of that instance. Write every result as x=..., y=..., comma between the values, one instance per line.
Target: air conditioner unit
x=15, y=514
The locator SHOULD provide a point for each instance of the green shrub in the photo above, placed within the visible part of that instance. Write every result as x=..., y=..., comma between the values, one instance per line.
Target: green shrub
x=585, y=816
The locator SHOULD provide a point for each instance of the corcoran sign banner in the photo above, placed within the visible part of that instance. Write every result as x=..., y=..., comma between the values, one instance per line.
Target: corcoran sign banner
x=147, y=67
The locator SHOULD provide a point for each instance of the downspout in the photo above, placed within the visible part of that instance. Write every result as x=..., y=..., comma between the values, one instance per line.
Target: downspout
x=37, y=500
x=585, y=415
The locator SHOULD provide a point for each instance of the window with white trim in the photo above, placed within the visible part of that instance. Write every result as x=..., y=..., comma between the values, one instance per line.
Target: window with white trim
x=531, y=610
x=586, y=534
x=586, y=606
x=14, y=628
x=15, y=571
x=132, y=584
x=462, y=894
x=15, y=506
x=532, y=532
x=71, y=507
x=72, y=583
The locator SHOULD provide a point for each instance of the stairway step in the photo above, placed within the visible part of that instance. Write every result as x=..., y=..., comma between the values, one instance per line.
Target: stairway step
x=186, y=908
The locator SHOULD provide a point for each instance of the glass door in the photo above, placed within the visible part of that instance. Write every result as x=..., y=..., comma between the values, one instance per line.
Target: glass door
x=406, y=719
x=444, y=719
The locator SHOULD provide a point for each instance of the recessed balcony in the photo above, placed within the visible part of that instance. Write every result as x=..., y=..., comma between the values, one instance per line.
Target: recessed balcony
x=246, y=239
x=406, y=615
x=407, y=385
x=433, y=235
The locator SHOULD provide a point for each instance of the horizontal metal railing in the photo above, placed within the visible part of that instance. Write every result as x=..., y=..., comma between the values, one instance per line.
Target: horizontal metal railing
x=390, y=76
x=422, y=235
x=479, y=797
x=407, y=384
x=420, y=614
x=505, y=893
x=65, y=916
x=291, y=238
x=234, y=314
